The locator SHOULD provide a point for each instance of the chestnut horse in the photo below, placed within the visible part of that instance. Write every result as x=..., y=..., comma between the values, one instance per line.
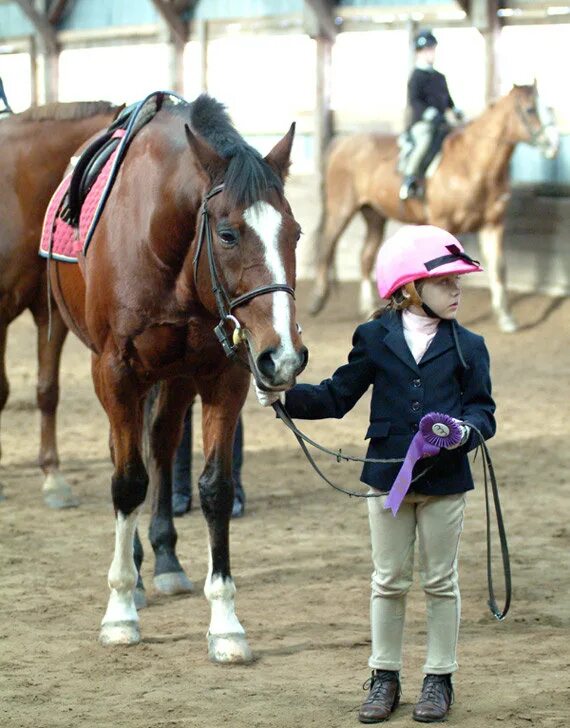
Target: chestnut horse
x=468, y=192
x=36, y=147
x=196, y=236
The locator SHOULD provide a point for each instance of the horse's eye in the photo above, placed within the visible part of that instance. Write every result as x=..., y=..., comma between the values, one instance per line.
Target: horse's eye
x=531, y=110
x=228, y=236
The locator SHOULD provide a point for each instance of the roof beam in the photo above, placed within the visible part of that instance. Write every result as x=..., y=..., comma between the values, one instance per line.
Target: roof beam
x=319, y=18
x=41, y=24
x=178, y=28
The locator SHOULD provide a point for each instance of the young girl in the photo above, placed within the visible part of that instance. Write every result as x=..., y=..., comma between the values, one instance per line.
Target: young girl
x=418, y=360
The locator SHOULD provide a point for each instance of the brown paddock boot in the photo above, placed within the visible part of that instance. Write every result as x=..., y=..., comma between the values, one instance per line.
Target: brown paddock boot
x=383, y=698
x=435, y=700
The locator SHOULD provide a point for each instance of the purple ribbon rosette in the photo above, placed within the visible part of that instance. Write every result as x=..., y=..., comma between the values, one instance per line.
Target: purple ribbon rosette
x=436, y=430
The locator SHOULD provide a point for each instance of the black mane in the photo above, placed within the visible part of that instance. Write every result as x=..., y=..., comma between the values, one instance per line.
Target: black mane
x=248, y=176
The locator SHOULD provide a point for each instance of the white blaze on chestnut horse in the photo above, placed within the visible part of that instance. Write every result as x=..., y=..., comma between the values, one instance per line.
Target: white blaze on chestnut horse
x=467, y=193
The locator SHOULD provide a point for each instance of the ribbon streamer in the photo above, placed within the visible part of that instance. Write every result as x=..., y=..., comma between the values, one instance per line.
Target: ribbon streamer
x=436, y=430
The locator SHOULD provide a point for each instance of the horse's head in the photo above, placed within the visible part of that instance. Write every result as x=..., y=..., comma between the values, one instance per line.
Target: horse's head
x=244, y=257
x=534, y=122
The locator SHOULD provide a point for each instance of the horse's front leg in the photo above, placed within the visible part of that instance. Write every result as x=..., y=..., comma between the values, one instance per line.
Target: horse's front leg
x=222, y=400
x=173, y=401
x=56, y=490
x=491, y=246
x=121, y=397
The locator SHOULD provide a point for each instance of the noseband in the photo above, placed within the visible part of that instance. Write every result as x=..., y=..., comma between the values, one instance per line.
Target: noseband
x=225, y=304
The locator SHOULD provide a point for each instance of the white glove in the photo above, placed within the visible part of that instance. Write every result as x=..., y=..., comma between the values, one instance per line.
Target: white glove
x=465, y=431
x=266, y=399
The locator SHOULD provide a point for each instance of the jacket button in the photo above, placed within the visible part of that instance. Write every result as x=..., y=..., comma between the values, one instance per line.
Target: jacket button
x=416, y=406
x=415, y=427
x=416, y=382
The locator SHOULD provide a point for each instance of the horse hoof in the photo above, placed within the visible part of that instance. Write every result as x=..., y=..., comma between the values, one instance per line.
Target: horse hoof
x=57, y=493
x=229, y=648
x=140, y=598
x=176, y=582
x=119, y=633
x=508, y=325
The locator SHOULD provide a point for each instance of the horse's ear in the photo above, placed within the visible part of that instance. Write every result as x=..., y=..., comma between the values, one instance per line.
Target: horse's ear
x=208, y=158
x=280, y=155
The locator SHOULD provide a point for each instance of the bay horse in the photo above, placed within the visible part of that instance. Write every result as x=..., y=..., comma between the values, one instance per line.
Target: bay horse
x=196, y=236
x=468, y=192
x=36, y=148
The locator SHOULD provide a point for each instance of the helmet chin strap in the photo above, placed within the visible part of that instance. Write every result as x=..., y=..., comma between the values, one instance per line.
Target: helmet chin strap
x=430, y=312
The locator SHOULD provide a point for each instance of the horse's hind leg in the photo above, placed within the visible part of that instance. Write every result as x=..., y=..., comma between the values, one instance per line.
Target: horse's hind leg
x=222, y=400
x=491, y=246
x=340, y=207
x=375, y=224
x=121, y=398
x=4, y=386
x=173, y=401
x=56, y=491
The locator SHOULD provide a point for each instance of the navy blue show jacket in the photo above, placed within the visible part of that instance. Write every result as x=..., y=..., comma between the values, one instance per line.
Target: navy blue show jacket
x=403, y=392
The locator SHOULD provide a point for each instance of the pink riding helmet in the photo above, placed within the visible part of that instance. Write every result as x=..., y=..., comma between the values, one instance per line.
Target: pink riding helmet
x=420, y=251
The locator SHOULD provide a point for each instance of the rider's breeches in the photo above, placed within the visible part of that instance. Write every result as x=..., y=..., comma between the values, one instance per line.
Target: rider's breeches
x=422, y=132
x=438, y=521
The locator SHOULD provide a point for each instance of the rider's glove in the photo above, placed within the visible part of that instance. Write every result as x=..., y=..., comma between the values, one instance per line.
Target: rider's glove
x=266, y=399
x=465, y=432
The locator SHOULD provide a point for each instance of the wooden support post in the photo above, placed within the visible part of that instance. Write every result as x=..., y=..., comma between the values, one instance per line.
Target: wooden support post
x=46, y=86
x=178, y=35
x=323, y=113
x=484, y=17
x=319, y=23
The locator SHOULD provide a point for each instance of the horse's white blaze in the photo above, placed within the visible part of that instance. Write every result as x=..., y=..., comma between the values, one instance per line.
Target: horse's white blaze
x=265, y=221
x=123, y=572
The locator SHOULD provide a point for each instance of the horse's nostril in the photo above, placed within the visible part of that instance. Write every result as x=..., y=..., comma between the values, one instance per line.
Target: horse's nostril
x=303, y=358
x=265, y=363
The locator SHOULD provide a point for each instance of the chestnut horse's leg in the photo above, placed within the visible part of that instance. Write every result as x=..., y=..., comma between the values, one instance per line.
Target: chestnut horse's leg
x=174, y=399
x=56, y=491
x=4, y=386
x=491, y=246
x=121, y=398
x=222, y=400
x=339, y=208
x=374, y=233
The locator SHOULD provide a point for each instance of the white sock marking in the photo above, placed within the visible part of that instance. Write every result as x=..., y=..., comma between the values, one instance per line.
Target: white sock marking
x=123, y=572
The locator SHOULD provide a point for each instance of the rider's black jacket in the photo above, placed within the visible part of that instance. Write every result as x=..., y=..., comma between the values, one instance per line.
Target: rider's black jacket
x=427, y=88
x=402, y=392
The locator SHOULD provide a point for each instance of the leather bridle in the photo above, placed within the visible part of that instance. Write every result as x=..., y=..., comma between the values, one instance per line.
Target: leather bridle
x=224, y=303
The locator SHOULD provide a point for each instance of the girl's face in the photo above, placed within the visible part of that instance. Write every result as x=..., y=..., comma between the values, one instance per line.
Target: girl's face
x=442, y=294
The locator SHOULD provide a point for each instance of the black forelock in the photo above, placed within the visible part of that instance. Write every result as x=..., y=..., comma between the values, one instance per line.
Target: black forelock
x=248, y=176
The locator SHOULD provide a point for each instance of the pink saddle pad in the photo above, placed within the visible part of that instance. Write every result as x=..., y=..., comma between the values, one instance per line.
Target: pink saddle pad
x=59, y=239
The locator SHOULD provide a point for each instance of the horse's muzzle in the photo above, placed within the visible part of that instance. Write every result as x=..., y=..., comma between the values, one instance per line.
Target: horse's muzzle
x=279, y=367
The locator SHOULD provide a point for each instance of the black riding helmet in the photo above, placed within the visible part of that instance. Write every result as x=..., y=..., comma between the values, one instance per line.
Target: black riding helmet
x=425, y=39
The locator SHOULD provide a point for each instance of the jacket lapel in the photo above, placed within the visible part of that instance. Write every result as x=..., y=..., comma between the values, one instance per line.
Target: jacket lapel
x=442, y=341
x=396, y=342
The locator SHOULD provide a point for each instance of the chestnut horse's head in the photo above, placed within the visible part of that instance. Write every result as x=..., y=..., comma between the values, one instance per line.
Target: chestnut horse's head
x=534, y=121
x=244, y=250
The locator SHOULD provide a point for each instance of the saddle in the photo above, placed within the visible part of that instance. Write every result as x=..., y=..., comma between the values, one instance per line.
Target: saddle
x=78, y=202
x=89, y=165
